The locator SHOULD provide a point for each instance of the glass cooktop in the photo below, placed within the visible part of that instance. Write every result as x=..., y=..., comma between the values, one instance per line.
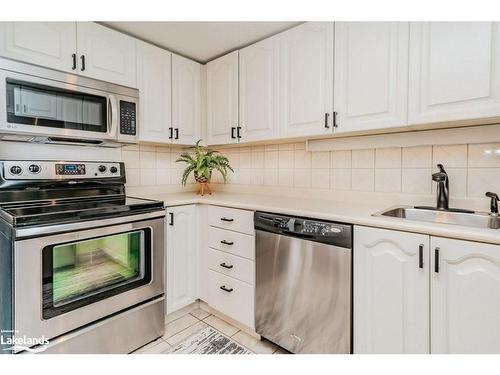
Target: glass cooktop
x=72, y=210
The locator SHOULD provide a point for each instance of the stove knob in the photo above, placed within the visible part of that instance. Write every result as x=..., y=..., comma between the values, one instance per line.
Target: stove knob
x=101, y=168
x=33, y=168
x=15, y=169
x=113, y=169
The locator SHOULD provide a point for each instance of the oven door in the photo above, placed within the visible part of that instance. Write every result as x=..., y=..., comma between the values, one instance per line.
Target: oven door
x=65, y=281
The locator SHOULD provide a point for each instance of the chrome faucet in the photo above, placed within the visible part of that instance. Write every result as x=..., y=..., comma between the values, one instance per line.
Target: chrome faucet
x=443, y=188
x=494, y=222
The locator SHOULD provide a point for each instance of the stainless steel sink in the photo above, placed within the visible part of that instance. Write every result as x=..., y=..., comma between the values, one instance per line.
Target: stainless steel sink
x=469, y=219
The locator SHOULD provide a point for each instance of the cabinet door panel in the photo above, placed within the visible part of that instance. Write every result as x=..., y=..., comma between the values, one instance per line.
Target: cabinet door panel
x=391, y=292
x=222, y=98
x=371, y=75
x=154, y=82
x=186, y=99
x=465, y=297
x=259, y=90
x=182, y=257
x=307, y=79
x=109, y=55
x=49, y=44
x=454, y=71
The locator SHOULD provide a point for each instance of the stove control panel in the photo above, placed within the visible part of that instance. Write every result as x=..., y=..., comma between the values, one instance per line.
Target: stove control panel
x=58, y=170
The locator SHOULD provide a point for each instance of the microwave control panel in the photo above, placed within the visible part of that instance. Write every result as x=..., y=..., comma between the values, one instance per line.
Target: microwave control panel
x=128, y=119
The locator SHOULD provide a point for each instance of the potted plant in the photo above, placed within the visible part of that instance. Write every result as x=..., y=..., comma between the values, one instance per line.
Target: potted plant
x=202, y=163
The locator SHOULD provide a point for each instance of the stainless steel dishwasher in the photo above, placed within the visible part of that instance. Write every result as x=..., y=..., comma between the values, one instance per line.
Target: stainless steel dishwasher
x=303, y=283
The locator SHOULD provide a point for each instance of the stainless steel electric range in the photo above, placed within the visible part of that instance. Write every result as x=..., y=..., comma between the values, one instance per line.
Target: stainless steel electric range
x=81, y=264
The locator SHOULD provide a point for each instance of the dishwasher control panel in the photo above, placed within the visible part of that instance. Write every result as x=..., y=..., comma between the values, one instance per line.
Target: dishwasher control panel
x=315, y=230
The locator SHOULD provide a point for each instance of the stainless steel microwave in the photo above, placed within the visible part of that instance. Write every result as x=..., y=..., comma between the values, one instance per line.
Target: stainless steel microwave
x=47, y=106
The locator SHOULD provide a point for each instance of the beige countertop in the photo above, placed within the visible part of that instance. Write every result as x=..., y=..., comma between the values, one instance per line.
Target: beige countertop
x=342, y=211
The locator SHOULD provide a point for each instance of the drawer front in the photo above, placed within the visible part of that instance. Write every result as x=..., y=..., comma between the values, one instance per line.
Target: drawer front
x=232, y=219
x=235, y=243
x=231, y=265
x=237, y=302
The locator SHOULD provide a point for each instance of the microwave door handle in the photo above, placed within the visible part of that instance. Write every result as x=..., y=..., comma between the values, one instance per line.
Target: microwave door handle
x=112, y=116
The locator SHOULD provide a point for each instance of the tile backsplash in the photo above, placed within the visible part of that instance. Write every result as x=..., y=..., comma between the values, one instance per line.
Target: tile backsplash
x=148, y=165
x=473, y=169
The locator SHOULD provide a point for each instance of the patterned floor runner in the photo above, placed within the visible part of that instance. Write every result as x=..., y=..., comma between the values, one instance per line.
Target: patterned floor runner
x=208, y=341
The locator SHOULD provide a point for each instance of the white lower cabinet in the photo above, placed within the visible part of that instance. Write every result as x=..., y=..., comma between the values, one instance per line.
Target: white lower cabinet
x=445, y=301
x=391, y=291
x=182, y=257
x=230, y=265
x=231, y=297
x=465, y=297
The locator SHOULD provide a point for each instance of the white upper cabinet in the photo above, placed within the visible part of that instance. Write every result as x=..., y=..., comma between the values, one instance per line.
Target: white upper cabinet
x=182, y=257
x=371, y=75
x=154, y=82
x=106, y=54
x=259, y=90
x=307, y=80
x=50, y=44
x=391, y=291
x=465, y=297
x=186, y=100
x=222, y=99
x=454, y=71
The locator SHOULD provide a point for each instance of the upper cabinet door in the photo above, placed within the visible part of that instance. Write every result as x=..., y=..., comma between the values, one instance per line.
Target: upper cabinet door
x=222, y=99
x=154, y=82
x=391, y=291
x=186, y=100
x=371, y=75
x=259, y=90
x=454, y=71
x=307, y=80
x=465, y=290
x=50, y=44
x=106, y=54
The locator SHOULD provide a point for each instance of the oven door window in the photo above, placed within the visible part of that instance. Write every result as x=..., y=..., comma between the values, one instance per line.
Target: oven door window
x=33, y=104
x=79, y=273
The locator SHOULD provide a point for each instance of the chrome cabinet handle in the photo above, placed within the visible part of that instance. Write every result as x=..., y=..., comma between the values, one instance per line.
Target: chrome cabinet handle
x=227, y=243
x=436, y=260
x=226, y=266
x=421, y=256
x=223, y=287
x=226, y=219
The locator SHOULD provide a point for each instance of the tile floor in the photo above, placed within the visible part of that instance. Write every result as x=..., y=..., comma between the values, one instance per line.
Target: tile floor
x=178, y=328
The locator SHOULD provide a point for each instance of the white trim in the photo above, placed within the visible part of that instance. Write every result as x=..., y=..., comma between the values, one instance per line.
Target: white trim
x=452, y=136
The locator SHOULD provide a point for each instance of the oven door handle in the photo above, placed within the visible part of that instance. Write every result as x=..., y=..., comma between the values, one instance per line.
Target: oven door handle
x=71, y=227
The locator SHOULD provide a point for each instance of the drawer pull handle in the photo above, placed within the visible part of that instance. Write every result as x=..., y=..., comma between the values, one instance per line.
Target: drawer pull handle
x=226, y=219
x=223, y=287
x=421, y=256
x=227, y=243
x=226, y=266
